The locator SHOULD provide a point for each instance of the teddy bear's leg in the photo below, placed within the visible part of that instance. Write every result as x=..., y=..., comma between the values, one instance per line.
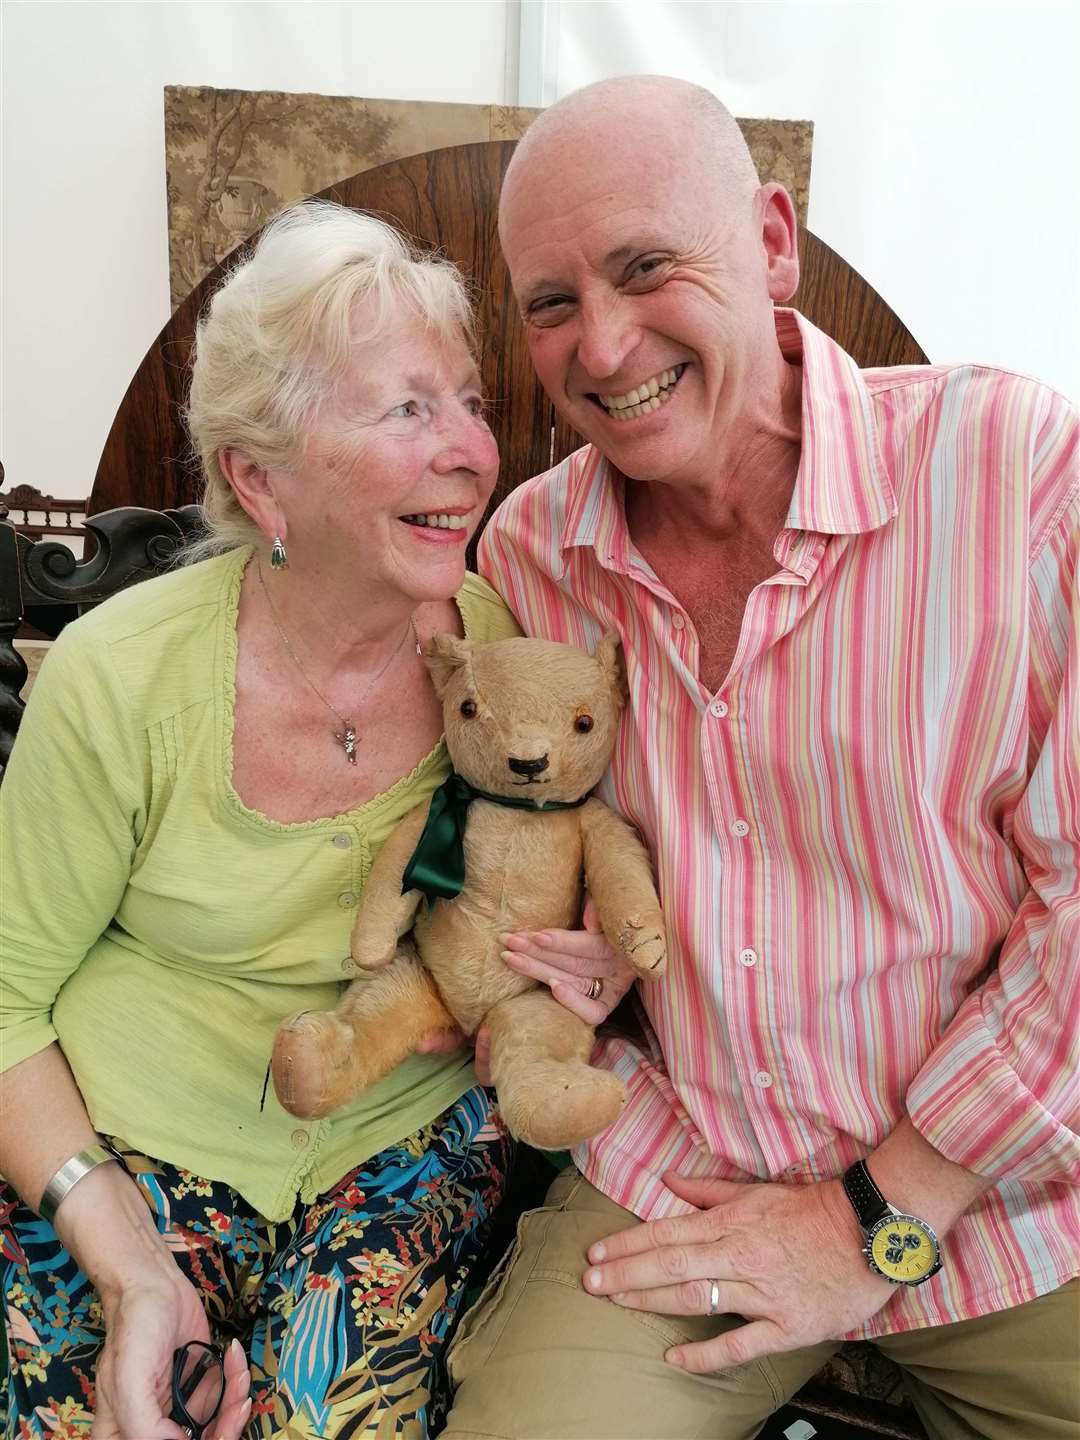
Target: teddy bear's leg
x=618, y=876
x=549, y=1095
x=323, y=1058
x=384, y=911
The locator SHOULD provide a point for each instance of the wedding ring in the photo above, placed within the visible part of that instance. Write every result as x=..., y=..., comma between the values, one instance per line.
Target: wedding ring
x=714, y=1297
x=593, y=992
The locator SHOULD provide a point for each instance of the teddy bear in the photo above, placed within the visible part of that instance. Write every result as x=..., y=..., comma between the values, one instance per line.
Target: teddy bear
x=506, y=844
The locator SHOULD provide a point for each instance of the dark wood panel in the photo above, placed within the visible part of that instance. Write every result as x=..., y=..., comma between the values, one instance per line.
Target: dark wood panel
x=839, y=301
x=449, y=199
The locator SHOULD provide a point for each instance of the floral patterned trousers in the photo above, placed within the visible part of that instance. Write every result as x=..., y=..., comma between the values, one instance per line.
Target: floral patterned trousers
x=344, y=1309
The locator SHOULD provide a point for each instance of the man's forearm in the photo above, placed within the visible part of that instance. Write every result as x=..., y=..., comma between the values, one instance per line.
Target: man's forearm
x=916, y=1178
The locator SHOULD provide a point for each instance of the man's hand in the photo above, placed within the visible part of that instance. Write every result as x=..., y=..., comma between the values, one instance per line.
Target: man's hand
x=786, y=1258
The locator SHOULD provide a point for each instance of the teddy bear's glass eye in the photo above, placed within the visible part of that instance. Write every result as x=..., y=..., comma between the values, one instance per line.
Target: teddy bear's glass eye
x=468, y=708
x=583, y=724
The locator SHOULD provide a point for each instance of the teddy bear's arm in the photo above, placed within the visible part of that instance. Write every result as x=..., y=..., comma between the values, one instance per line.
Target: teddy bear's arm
x=384, y=911
x=618, y=876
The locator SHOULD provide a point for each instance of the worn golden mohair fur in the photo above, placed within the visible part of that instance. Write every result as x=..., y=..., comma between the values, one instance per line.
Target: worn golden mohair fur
x=509, y=701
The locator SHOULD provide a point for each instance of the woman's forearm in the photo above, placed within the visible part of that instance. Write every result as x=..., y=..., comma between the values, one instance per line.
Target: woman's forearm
x=102, y=1220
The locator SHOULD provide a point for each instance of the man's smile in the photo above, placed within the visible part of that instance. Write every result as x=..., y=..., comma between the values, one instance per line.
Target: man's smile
x=644, y=398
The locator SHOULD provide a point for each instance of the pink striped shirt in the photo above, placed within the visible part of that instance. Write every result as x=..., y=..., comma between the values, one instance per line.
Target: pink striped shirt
x=867, y=839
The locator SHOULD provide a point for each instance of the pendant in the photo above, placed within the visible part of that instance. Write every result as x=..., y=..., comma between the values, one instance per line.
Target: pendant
x=347, y=740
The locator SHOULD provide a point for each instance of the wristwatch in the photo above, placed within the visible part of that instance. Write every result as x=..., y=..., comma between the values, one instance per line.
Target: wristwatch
x=902, y=1248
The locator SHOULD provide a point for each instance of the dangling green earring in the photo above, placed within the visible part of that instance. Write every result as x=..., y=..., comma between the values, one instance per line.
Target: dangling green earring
x=279, y=558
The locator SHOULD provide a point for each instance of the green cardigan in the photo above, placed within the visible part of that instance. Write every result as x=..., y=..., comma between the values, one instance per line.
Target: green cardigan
x=159, y=928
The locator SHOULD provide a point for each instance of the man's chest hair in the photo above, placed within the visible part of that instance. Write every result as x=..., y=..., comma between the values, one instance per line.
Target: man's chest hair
x=713, y=590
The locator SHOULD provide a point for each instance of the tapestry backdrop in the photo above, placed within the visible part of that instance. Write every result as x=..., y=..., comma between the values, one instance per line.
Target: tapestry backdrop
x=233, y=158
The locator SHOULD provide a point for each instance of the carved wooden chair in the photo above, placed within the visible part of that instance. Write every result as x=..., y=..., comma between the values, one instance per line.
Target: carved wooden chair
x=447, y=198
x=39, y=515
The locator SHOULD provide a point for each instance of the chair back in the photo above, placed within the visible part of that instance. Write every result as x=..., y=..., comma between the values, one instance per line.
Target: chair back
x=43, y=582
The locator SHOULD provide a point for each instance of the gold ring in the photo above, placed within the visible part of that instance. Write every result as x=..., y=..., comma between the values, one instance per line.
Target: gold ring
x=714, y=1297
x=593, y=992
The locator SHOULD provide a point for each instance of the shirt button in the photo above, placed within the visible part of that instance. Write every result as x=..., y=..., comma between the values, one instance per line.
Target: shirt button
x=719, y=707
x=748, y=957
x=763, y=1079
x=343, y=841
x=348, y=965
x=740, y=827
x=299, y=1138
x=677, y=622
x=346, y=899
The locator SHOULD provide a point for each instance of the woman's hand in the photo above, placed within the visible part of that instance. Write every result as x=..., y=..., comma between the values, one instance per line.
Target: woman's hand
x=570, y=962
x=144, y=1324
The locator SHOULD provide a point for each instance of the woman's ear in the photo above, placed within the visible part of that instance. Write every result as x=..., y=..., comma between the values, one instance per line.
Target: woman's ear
x=250, y=483
x=446, y=654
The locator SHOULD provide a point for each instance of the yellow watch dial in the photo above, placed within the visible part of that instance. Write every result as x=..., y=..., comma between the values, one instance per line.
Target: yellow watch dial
x=902, y=1250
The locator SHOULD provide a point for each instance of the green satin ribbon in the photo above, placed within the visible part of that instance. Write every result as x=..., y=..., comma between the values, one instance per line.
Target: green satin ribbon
x=437, y=865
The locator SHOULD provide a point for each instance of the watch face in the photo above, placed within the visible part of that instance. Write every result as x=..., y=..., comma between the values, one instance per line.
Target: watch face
x=903, y=1249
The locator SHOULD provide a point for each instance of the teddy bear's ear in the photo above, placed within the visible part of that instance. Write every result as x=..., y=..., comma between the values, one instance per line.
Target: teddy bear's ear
x=609, y=656
x=445, y=654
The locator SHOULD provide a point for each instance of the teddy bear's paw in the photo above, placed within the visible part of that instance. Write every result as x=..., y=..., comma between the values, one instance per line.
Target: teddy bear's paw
x=642, y=941
x=309, y=1065
x=370, y=951
x=555, y=1105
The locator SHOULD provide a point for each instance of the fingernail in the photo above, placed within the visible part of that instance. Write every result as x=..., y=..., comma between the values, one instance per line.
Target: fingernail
x=597, y=1253
x=594, y=1279
x=234, y=1344
x=508, y=955
x=674, y=1357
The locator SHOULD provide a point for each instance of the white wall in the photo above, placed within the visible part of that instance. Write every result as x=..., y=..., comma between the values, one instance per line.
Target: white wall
x=85, y=246
x=945, y=145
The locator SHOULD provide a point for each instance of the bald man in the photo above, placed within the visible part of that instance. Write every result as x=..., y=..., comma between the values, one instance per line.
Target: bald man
x=849, y=612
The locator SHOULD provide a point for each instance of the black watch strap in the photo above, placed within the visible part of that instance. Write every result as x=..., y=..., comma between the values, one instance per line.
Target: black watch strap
x=868, y=1202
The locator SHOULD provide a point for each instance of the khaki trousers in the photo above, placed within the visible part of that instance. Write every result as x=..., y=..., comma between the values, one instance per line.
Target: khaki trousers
x=538, y=1358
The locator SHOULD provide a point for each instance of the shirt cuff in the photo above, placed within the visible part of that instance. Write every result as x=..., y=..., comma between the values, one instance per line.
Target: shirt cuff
x=971, y=1105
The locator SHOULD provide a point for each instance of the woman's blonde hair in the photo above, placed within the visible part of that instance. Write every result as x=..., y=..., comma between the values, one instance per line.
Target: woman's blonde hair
x=275, y=338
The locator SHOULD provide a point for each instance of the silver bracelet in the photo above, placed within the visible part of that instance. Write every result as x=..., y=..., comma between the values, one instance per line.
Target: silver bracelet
x=69, y=1175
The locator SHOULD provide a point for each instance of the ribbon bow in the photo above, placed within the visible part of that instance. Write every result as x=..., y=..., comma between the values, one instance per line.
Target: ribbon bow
x=437, y=865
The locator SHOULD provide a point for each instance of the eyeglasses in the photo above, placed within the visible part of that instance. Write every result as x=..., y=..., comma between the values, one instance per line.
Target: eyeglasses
x=198, y=1385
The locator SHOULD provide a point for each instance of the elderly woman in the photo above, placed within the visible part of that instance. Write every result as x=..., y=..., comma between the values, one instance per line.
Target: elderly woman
x=207, y=767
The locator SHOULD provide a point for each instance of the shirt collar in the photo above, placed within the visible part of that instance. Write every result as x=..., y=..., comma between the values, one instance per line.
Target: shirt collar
x=842, y=485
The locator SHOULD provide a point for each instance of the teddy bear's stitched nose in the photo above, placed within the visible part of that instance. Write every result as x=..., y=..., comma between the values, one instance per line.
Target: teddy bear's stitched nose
x=528, y=767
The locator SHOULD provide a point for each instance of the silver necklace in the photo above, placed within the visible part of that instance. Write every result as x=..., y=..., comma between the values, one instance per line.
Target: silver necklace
x=346, y=737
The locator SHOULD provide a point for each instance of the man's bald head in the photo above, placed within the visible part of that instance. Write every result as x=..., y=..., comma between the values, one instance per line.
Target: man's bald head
x=646, y=259
x=661, y=119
